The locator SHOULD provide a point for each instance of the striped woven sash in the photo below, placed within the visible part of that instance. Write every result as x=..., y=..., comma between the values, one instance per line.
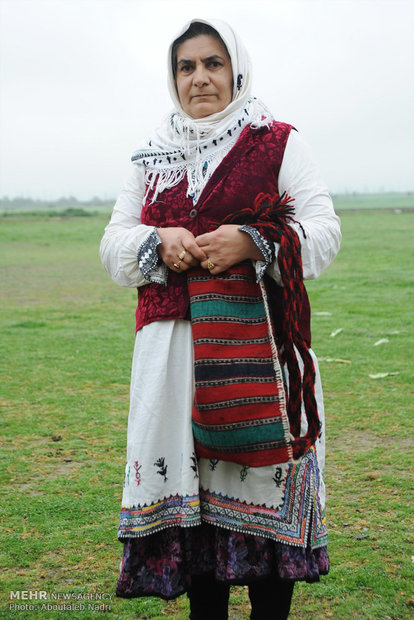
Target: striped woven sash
x=239, y=411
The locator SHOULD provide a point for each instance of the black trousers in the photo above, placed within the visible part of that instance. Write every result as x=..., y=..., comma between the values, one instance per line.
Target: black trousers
x=209, y=599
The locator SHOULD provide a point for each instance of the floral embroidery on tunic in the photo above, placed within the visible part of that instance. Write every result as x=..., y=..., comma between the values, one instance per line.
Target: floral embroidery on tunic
x=162, y=467
x=213, y=464
x=277, y=478
x=243, y=472
x=194, y=466
x=137, y=467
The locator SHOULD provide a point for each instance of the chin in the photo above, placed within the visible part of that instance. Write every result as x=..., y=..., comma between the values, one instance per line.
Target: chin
x=205, y=110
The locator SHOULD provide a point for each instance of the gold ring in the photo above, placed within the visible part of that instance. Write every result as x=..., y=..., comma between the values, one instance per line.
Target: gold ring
x=210, y=265
x=177, y=265
x=182, y=254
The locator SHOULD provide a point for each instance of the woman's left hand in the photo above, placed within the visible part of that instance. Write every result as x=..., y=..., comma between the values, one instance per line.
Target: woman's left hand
x=226, y=246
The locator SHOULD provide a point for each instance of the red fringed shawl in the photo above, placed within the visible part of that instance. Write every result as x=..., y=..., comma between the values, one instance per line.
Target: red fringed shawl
x=240, y=412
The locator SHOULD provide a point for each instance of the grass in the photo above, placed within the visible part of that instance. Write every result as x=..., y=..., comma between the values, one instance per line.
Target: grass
x=67, y=339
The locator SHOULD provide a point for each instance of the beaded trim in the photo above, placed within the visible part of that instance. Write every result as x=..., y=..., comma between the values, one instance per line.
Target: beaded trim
x=157, y=158
x=264, y=246
x=150, y=264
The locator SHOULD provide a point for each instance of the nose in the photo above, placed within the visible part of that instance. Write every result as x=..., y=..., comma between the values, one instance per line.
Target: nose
x=200, y=75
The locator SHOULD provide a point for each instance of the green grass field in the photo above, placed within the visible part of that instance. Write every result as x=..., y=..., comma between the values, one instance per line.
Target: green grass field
x=67, y=338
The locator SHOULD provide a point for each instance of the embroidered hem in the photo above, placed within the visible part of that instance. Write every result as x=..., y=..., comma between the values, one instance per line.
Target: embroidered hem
x=136, y=521
x=298, y=521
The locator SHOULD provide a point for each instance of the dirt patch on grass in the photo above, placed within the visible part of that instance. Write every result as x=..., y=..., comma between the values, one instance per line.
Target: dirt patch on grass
x=31, y=486
x=364, y=441
x=65, y=469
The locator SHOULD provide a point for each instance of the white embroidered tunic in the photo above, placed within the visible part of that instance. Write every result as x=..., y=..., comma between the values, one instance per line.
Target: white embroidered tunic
x=164, y=484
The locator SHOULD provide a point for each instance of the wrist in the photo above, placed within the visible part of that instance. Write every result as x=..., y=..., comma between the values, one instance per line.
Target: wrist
x=253, y=248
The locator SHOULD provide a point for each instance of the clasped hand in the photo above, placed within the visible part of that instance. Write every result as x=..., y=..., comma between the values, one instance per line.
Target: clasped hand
x=216, y=251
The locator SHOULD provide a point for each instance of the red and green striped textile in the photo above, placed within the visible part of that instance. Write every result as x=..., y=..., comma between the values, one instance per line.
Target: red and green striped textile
x=239, y=411
x=271, y=215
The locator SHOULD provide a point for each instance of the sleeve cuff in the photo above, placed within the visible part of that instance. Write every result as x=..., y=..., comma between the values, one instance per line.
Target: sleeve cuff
x=266, y=248
x=149, y=263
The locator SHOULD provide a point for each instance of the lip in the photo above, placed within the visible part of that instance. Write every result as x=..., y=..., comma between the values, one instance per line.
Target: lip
x=202, y=96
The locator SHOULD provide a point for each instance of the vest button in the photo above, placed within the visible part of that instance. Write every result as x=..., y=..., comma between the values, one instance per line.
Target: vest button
x=193, y=213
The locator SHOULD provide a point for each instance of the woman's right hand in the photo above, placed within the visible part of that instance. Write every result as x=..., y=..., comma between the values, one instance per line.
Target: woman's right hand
x=178, y=249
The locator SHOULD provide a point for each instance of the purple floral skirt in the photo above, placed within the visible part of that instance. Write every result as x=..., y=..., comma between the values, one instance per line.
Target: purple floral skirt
x=161, y=564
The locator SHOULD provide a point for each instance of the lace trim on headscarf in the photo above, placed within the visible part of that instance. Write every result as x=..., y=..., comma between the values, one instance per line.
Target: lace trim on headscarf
x=199, y=149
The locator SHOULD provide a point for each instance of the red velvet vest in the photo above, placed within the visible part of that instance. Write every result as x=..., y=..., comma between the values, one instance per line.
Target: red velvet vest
x=252, y=166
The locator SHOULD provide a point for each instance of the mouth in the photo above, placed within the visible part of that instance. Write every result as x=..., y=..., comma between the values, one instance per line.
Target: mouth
x=203, y=96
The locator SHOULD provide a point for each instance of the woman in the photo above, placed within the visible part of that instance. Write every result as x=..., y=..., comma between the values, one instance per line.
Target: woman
x=191, y=522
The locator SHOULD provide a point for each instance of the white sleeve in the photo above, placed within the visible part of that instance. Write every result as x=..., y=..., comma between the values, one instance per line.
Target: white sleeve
x=317, y=224
x=125, y=233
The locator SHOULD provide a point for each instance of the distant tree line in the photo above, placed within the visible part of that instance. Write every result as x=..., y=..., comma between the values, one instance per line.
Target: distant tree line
x=20, y=202
x=400, y=199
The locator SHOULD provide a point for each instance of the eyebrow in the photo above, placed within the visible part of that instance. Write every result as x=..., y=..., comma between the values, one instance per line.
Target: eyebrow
x=183, y=61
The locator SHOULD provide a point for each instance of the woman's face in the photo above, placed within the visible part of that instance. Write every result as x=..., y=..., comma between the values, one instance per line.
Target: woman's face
x=204, y=77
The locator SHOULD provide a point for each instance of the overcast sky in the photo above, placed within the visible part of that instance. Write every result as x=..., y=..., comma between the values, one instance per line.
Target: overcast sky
x=84, y=81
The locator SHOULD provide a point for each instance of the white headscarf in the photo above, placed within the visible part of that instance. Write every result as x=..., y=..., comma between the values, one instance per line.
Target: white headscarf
x=241, y=67
x=183, y=145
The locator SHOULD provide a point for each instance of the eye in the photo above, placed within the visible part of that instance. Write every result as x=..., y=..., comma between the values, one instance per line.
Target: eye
x=214, y=64
x=185, y=68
